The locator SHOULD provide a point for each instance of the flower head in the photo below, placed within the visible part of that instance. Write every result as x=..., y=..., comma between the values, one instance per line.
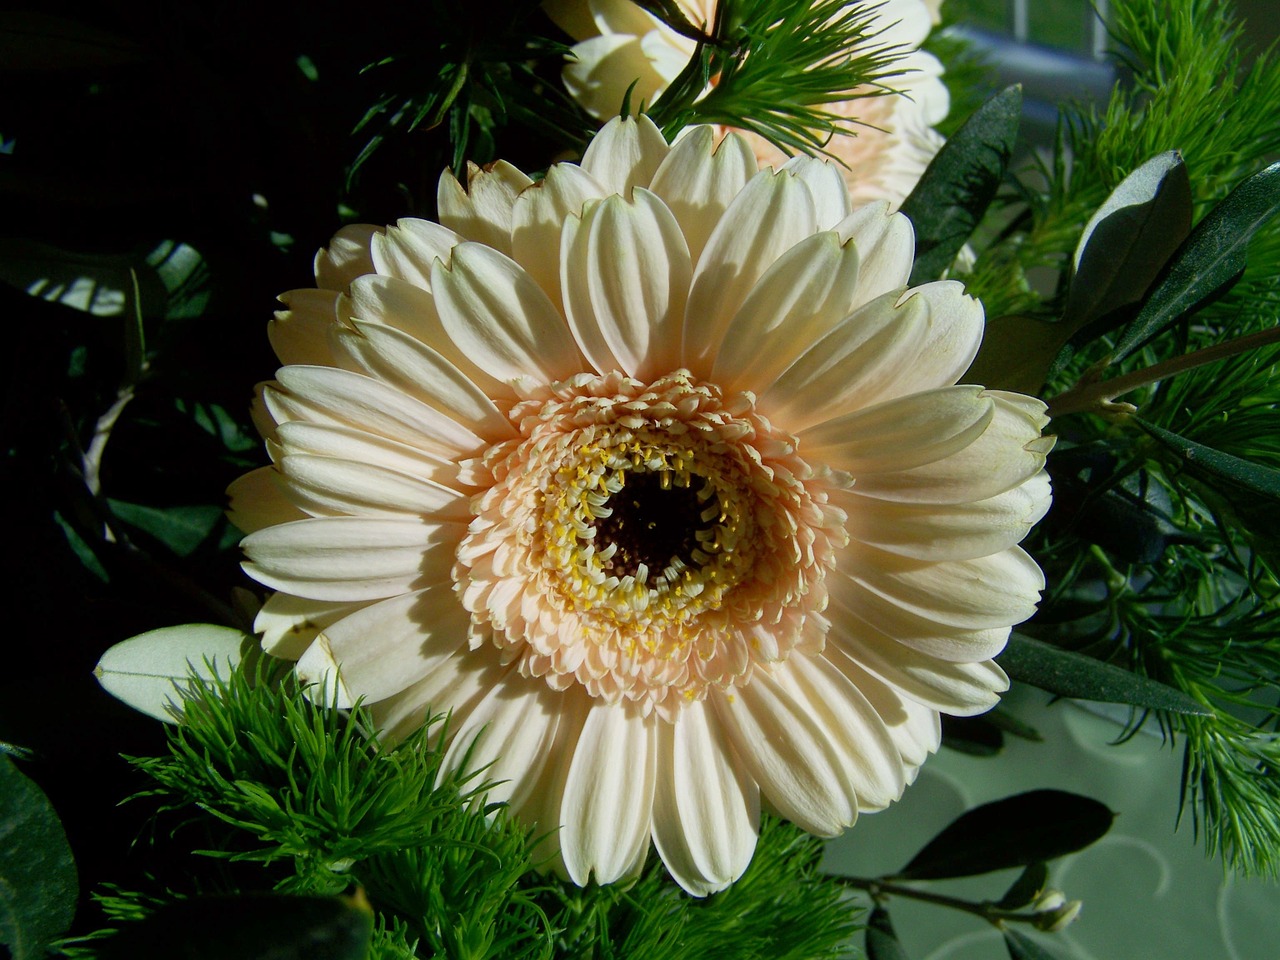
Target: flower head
x=655, y=475
x=887, y=141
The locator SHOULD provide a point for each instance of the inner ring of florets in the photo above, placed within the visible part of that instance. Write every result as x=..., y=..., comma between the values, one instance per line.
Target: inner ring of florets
x=647, y=541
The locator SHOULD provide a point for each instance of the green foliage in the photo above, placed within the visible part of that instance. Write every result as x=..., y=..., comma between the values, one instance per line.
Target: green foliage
x=38, y=883
x=776, y=67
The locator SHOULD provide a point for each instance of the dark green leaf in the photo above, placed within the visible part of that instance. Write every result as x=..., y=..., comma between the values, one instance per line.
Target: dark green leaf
x=1014, y=832
x=961, y=182
x=181, y=529
x=248, y=927
x=1075, y=675
x=1022, y=947
x=84, y=553
x=1027, y=887
x=38, y=883
x=882, y=942
x=1211, y=259
x=1126, y=243
x=1214, y=466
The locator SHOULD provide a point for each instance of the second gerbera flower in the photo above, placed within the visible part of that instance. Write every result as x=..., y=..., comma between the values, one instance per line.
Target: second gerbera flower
x=654, y=475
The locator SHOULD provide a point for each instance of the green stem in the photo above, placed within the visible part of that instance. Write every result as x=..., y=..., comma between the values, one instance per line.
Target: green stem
x=1091, y=395
x=992, y=913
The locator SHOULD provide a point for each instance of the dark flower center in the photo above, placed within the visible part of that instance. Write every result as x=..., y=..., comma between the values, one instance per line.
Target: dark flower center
x=656, y=519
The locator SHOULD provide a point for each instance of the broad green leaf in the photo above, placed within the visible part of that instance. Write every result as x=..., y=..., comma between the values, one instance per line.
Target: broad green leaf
x=148, y=671
x=1206, y=463
x=84, y=553
x=882, y=942
x=259, y=926
x=1120, y=253
x=1014, y=832
x=1208, y=261
x=181, y=529
x=1070, y=674
x=38, y=882
x=960, y=183
x=1027, y=887
x=1022, y=947
x=1128, y=240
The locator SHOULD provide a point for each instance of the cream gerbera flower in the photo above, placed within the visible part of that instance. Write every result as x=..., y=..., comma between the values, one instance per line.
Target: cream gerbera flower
x=891, y=137
x=653, y=474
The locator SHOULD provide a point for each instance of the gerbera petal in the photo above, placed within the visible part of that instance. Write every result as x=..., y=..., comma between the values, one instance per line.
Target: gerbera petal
x=699, y=179
x=706, y=810
x=1008, y=453
x=502, y=319
x=407, y=251
x=789, y=755
x=351, y=558
x=333, y=486
x=383, y=648
x=794, y=304
x=830, y=195
x=403, y=361
x=772, y=214
x=257, y=502
x=914, y=728
x=604, y=68
x=298, y=334
x=482, y=212
x=625, y=153
x=958, y=688
x=330, y=395
x=992, y=591
x=637, y=275
x=902, y=433
x=855, y=729
x=346, y=257
x=451, y=690
x=334, y=440
x=886, y=244
x=509, y=736
x=620, y=16
x=539, y=217
x=608, y=794
x=289, y=624
x=959, y=531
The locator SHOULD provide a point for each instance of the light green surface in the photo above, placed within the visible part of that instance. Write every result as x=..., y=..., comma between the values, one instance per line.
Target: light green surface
x=1148, y=892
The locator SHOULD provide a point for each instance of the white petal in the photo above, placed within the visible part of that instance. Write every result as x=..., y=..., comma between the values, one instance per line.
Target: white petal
x=789, y=755
x=452, y=689
x=405, y=362
x=830, y=195
x=913, y=727
x=407, y=250
x=289, y=624
x=959, y=531
x=699, y=179
x=346, y=257
x=900, y=434
x=258, y=501
x=706, y=812
x=886, y=246
x=962, y=689
x=509, y=736
x=867, y=752
x=770, y=216
x=481, y=212
x=329, y=395
x=625, y=153
x=334, y=486
x=539, y=217
x=300, y=333
x=608, y=795
x=602, y=70
x=1008, y=453
x=382, y=649
x=794, y=304
x=502, y=319
x=351, y=558
x=637, y=273
x=351, y=443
